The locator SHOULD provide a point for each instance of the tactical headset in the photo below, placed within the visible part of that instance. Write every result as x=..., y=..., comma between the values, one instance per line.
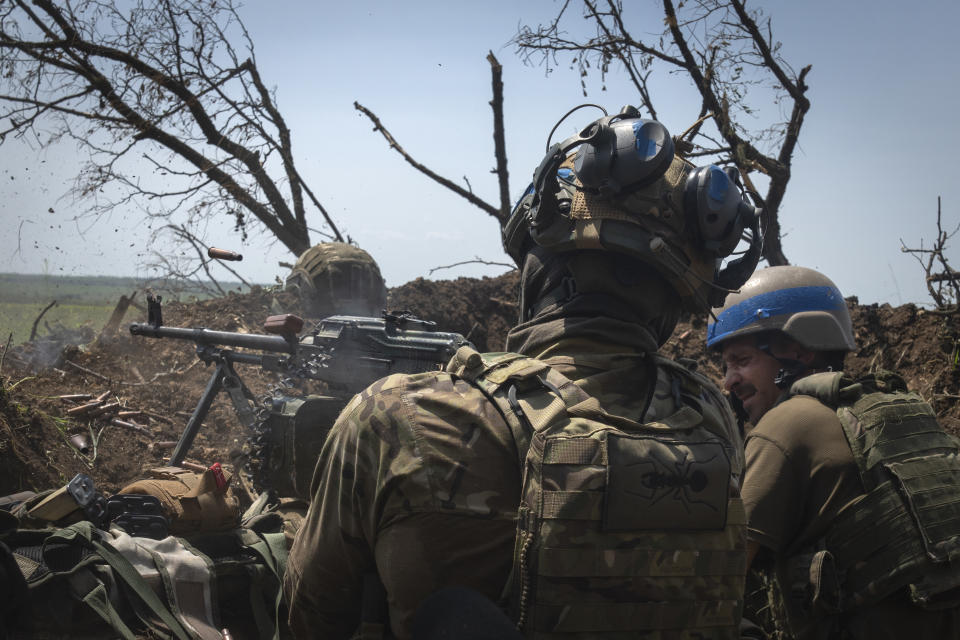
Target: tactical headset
x=621, y=155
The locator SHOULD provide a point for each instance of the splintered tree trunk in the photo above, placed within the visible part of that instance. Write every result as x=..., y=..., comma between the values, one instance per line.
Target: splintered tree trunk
x=117, y=316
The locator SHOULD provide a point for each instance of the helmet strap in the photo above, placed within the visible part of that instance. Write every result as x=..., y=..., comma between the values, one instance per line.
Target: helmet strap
x=791, y=370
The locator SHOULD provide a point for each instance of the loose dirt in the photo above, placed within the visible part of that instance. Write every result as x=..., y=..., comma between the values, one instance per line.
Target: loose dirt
x=163, y=378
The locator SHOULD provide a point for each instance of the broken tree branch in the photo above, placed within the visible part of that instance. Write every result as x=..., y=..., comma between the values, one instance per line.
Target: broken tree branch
x=378, y=126
x=943, y=282
x=3, y=356
x=476, y=260
x=499, y=144
x=33, y=331
x=87, y=371
x=116, y=317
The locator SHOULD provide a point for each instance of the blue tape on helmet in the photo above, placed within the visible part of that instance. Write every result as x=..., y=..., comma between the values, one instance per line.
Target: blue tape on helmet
x=772, y=304
x=646, y=146
x=719, y=186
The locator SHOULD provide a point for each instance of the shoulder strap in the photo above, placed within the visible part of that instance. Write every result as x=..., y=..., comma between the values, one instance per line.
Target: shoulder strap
x=272, y=549
x=530, y=393
x=122, y=567
x=825, y=387
x=489, y=372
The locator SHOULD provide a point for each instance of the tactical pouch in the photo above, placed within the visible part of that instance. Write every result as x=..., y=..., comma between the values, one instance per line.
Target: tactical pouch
x=904, y=533
x=928, y=483
x=928, y=486
x=191, y=502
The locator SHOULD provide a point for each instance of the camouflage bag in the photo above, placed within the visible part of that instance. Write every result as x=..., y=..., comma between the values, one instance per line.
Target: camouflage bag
x=623, y=528
x=82, y=582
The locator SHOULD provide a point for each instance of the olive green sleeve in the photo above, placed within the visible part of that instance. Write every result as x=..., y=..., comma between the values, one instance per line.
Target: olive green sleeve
x=773, y=493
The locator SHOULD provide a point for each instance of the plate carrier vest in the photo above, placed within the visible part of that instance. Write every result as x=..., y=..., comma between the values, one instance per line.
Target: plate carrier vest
x=905, y=531
x=623, y=528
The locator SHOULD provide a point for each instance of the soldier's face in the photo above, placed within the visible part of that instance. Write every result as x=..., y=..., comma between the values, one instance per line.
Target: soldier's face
x=749, y=374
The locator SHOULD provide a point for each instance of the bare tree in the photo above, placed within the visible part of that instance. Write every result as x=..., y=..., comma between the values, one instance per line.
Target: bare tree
x=943, y=281
x=502, y=211
x=171, y=117
x=726, y=51
x=184, y=266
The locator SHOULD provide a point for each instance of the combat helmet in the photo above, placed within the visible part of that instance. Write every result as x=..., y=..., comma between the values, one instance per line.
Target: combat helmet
x=626, y=190
x=802, y=303
x=335, y=278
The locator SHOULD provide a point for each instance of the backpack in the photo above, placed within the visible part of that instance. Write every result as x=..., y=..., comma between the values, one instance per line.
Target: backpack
x=623, y=528
x=905, y=532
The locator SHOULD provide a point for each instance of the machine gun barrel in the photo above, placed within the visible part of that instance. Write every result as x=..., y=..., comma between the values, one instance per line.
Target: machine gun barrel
x=259, y=341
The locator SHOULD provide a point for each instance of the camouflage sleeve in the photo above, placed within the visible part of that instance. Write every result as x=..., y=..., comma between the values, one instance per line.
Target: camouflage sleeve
x=334, y=548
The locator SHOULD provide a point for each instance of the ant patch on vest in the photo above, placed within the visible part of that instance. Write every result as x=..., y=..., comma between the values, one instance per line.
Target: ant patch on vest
x=662, y=485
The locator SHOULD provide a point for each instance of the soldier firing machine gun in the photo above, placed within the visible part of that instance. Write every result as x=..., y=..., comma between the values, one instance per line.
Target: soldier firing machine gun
x=346, y=352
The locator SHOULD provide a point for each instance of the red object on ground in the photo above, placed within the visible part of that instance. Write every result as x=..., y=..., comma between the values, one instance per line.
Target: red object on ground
x=218, y=476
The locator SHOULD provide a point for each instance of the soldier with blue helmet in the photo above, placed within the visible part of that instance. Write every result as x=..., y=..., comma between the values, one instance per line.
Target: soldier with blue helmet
x=851, y=491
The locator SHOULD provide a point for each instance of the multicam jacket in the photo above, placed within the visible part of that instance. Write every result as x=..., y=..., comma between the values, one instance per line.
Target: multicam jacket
x=420, y=483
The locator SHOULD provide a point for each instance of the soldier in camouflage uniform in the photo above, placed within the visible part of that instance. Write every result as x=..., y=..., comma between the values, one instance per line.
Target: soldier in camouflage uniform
x=335, y=278
x=851, y=485
x=420, y=480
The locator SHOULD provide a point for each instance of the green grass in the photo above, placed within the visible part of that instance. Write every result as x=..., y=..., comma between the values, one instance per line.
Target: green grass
x=81, y=300
x=18, y=317
x=90, y=290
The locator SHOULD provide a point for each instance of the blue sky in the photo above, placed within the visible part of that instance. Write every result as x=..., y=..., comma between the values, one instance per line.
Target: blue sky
x=877, y=148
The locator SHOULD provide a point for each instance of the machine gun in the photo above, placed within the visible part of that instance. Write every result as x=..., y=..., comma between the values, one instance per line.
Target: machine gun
x=346, y=352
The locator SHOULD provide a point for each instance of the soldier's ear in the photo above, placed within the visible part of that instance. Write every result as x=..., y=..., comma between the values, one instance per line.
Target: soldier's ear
x=789, y=349
x=804, y=355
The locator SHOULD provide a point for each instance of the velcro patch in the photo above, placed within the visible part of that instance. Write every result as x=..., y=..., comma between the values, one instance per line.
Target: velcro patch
x=661, y=485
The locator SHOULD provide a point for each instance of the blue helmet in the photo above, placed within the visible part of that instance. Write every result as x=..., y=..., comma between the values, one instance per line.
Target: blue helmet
x=799, y=302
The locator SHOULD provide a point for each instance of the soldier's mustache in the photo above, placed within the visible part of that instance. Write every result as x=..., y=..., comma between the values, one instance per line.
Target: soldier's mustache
x=744, y=389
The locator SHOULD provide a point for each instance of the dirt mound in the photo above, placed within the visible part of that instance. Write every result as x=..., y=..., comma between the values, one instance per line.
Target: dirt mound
x=482, y=310
x=162, y=379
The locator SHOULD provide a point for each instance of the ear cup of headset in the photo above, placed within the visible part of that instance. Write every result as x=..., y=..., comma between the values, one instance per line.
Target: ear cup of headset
x=632, y=154
x=714, y=205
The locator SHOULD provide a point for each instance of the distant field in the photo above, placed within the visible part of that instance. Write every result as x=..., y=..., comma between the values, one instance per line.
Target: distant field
x=17, y=318
x=91, y=290
x=80, y=300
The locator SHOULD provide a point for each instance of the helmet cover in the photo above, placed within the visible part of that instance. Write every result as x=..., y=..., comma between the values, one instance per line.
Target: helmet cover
x=335, y=278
